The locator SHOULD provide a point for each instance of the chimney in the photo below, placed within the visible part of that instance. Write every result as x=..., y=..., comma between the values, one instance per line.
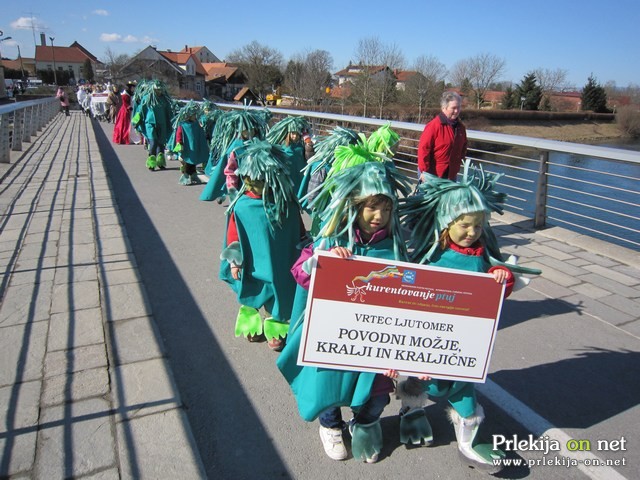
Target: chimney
x=187, y=49
x=43, y=39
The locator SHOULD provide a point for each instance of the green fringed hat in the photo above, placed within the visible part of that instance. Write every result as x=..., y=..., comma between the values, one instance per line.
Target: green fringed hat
x=268, y=163
x=346, y=156
x=383, y=140
x=191, y=109
x=335, y=202
x=150, y=92
x=438, y=202
x=230, y=126
x=324, y=148
x=278, y=133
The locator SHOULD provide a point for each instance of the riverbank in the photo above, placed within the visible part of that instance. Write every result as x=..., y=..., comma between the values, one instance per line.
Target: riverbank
x=583, y=132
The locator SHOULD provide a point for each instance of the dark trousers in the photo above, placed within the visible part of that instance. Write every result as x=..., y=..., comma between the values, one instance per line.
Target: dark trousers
x=367, y=413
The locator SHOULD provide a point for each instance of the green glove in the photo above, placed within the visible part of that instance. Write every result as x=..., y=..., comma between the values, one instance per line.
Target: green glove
x=136, y=118
x=177, y=148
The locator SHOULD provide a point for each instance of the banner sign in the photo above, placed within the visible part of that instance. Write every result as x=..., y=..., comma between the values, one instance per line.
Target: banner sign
x=371, y=315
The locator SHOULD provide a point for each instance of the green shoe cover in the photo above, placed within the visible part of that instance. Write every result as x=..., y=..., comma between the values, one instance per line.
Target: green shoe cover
x=366, y=441
x=486, y=451
x=249, y=322
x=160, y=161
x=275, y=329
x=415, y=428
x=151, y=162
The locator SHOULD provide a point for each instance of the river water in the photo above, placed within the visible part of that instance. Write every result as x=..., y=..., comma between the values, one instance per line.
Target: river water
x=594, y=196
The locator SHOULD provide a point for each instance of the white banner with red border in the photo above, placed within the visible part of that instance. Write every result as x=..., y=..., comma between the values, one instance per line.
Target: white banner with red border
x=371, y=315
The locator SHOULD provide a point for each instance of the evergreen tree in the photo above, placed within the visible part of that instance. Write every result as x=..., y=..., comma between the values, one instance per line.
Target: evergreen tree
x=594, y=96
x=87, y=70
x=528, y=93
x=466, y=87
x=509, y=101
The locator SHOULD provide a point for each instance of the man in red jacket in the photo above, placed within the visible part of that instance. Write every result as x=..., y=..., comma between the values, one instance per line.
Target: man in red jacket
x=443, y=143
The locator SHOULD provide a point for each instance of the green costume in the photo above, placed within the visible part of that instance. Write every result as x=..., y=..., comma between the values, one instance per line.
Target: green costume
x=268, y=229
x=152, y=117
x=279, y=134
x=317, y=389
x=436, y=204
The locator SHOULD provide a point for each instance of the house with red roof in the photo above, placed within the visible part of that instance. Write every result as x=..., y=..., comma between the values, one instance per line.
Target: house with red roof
x=69, y=59
x=351, y=72
x=203, y=53
x=347, y=76
x=224, y=80
x=179, y=69
x=27, y=66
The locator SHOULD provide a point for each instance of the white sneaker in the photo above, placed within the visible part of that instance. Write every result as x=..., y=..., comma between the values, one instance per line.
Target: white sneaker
x=332, y=443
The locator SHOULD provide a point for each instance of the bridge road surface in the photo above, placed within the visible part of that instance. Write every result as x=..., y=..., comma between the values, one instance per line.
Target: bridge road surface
x=565, y=361
x=578, y=372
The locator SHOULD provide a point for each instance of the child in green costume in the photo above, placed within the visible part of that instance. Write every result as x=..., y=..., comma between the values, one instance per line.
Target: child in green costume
x=264, y=228
x=449, y=224
x=152, y=117
x=293, y=134
x=359, y=217
x=190, y=143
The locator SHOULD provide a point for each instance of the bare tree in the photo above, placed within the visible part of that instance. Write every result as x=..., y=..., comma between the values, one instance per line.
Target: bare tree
x=262, y=65
x=426, y=87
x=114, y=63
x=317, y=75
x=307, y=76
x=376, y=81
x=480, y=71
x=550, y=81
x=460, y=73
x=294, y=77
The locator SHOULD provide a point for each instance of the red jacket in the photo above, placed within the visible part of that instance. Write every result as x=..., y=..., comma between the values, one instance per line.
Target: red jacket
x=442, y=148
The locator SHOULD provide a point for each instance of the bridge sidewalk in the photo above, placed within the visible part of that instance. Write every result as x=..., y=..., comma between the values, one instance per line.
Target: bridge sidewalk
x=85, y=389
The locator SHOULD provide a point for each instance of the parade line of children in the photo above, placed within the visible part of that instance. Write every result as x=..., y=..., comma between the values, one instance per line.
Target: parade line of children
x=357, y=203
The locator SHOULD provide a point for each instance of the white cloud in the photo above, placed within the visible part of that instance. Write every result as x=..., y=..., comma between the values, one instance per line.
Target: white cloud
x=27, y=23
x=116, y=37
x=101, y=12
x=110, y=37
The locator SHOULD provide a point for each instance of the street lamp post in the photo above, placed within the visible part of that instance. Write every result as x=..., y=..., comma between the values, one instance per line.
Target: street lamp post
x=3, y=92
x=522, y=99
x=53, y=54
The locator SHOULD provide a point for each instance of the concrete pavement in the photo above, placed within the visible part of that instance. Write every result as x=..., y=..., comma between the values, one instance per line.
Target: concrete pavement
x=86, y=388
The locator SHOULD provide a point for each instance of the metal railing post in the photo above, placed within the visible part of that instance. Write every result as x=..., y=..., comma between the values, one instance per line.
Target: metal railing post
x=40, y=120
x=541, y=191
x=5, y=154
x=18, y=130
x=30, y=124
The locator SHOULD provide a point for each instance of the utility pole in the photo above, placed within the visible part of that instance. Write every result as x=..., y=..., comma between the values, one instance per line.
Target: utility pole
x=21, y=66
x=53, y=54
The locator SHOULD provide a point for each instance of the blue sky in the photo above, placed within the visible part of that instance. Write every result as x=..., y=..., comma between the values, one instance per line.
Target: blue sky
x=585, y=37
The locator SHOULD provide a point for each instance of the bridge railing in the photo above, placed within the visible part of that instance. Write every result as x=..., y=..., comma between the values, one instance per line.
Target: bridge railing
x=589, y=189
x=20, y=121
